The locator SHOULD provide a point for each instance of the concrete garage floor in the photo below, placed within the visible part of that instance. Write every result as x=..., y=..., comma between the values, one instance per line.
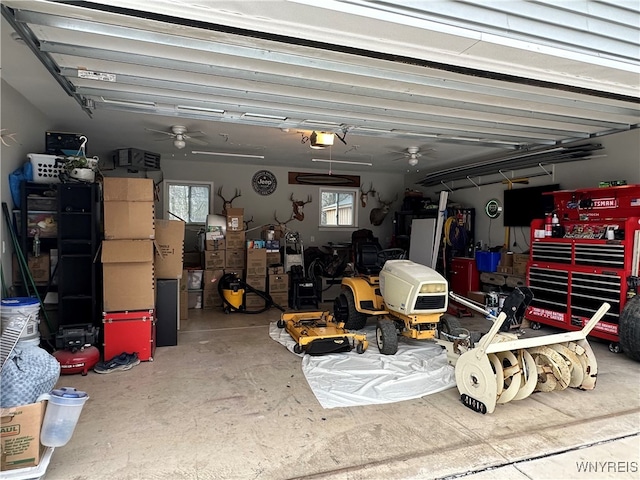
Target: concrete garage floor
x=230, y=403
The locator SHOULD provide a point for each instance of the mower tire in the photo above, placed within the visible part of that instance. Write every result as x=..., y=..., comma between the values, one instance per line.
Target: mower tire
x=345, y=311
x=387, y=336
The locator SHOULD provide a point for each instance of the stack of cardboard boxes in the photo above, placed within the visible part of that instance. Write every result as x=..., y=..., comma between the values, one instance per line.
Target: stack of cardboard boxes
x=247, y=259
x=128, y=267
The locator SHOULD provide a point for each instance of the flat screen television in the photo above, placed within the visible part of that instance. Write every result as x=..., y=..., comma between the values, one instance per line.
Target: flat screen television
x=521, y=205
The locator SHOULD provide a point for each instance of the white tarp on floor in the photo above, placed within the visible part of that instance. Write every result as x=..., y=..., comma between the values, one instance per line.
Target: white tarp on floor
x=350, y=379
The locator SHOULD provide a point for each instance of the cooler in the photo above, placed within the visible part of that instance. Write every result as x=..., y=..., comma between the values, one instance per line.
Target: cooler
x=129, y=332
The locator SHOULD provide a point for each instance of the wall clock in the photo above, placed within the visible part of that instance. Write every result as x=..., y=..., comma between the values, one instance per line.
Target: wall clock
x=264, y=182
x=493, y=208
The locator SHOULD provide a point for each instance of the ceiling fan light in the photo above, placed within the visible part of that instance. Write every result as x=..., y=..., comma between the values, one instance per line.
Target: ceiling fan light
x=321, y=139
x=413, y=161
x=178, y=143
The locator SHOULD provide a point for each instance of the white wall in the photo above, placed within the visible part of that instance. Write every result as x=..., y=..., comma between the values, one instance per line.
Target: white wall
x=263, y=208
x=622, y=162
x=18, y=116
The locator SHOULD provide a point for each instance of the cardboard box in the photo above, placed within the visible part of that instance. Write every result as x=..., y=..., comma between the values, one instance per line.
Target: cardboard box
x=211, y=278
x=274, y=258
x=169, y=248
x=128, y=220
x=234, y=259
x=235, y=240
x=20, y=438
x=39, y=266
x=235, y=219
x=238, y=272
x=128, y=189
x=275, y=269
x=214, y=259
x=506, y=259
x=184, y=305
x=520, y=269
x=259, y=282
x=217, y=244
x=211, y=299
x=520, y=258
x=279, y=283
x=280, y=298
x=254, y=301
x=256, y=264
x=505, y=270
x=127, y=271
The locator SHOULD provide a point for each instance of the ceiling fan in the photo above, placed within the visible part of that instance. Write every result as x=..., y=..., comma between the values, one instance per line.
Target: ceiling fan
x=412, y=154
x=181, y=136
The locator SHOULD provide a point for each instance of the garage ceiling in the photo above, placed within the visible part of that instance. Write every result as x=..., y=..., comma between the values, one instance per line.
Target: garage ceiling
x=465, y=82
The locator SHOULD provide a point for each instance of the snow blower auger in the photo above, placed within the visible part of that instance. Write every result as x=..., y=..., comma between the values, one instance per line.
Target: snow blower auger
x=501, y=367
x=317, y=333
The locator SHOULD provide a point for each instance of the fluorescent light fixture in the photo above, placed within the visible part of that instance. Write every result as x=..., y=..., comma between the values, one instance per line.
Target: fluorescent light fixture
x=320, y=122
x=223, y=154
x=129, y=103
x=324, y=160
x=321, y=139
x=188, y=108
x=264, y=116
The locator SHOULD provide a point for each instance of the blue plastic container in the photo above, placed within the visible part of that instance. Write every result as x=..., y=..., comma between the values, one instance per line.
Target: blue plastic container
x=487, y=261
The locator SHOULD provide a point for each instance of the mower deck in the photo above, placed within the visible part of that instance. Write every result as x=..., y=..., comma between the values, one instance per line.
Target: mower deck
x=318, y=333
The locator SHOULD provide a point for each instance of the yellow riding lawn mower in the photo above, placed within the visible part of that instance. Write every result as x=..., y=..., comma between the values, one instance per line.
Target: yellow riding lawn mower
x=407, y=299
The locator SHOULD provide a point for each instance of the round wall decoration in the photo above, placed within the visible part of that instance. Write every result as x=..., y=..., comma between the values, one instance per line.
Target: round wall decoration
x=493, y=208
x=264, y=182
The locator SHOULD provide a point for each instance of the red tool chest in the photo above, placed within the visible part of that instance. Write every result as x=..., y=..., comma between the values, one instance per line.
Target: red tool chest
x=464, y=276
x=129, y=332
x=590, y=262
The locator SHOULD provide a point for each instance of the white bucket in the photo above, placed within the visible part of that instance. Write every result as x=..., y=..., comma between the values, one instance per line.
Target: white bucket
x=20, y=310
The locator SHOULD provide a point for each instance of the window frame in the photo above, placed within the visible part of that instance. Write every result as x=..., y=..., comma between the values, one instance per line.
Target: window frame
x=189, y=183
x=327, y=189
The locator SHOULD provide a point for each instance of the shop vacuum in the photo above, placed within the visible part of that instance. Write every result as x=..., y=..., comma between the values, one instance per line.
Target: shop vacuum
x=233, y=290
x=74, y=348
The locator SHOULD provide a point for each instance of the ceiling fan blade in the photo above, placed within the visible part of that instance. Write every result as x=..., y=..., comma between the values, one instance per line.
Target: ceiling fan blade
x=197, y=133
x=197, y=141
x=160, y=131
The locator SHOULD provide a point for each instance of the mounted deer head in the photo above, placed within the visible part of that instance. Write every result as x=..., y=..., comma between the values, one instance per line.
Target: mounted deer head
x=282, y=225
x=298, y=206
x=227, y=203
x=364, y=196
x=377, y=215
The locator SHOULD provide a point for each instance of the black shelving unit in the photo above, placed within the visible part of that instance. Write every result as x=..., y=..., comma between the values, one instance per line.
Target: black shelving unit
x=36, y=218
x=78, y=241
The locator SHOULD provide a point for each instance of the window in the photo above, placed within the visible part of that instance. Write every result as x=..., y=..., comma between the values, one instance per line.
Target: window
x=338, y=207
x=190, y=201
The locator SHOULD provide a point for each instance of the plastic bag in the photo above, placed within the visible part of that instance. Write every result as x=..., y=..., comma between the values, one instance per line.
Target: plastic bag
x=25, y=172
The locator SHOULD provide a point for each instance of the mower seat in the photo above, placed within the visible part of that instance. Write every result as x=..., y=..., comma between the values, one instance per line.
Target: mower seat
x=367, y=262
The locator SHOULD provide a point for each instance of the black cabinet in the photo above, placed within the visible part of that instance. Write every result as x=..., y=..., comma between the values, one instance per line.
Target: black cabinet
x=78, y=241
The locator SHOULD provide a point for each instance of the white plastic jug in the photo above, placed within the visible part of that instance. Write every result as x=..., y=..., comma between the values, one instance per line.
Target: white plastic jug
x=60, y=419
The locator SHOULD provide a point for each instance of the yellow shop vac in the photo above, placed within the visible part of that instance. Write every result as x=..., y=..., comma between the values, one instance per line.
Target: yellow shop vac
x=232, y=291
